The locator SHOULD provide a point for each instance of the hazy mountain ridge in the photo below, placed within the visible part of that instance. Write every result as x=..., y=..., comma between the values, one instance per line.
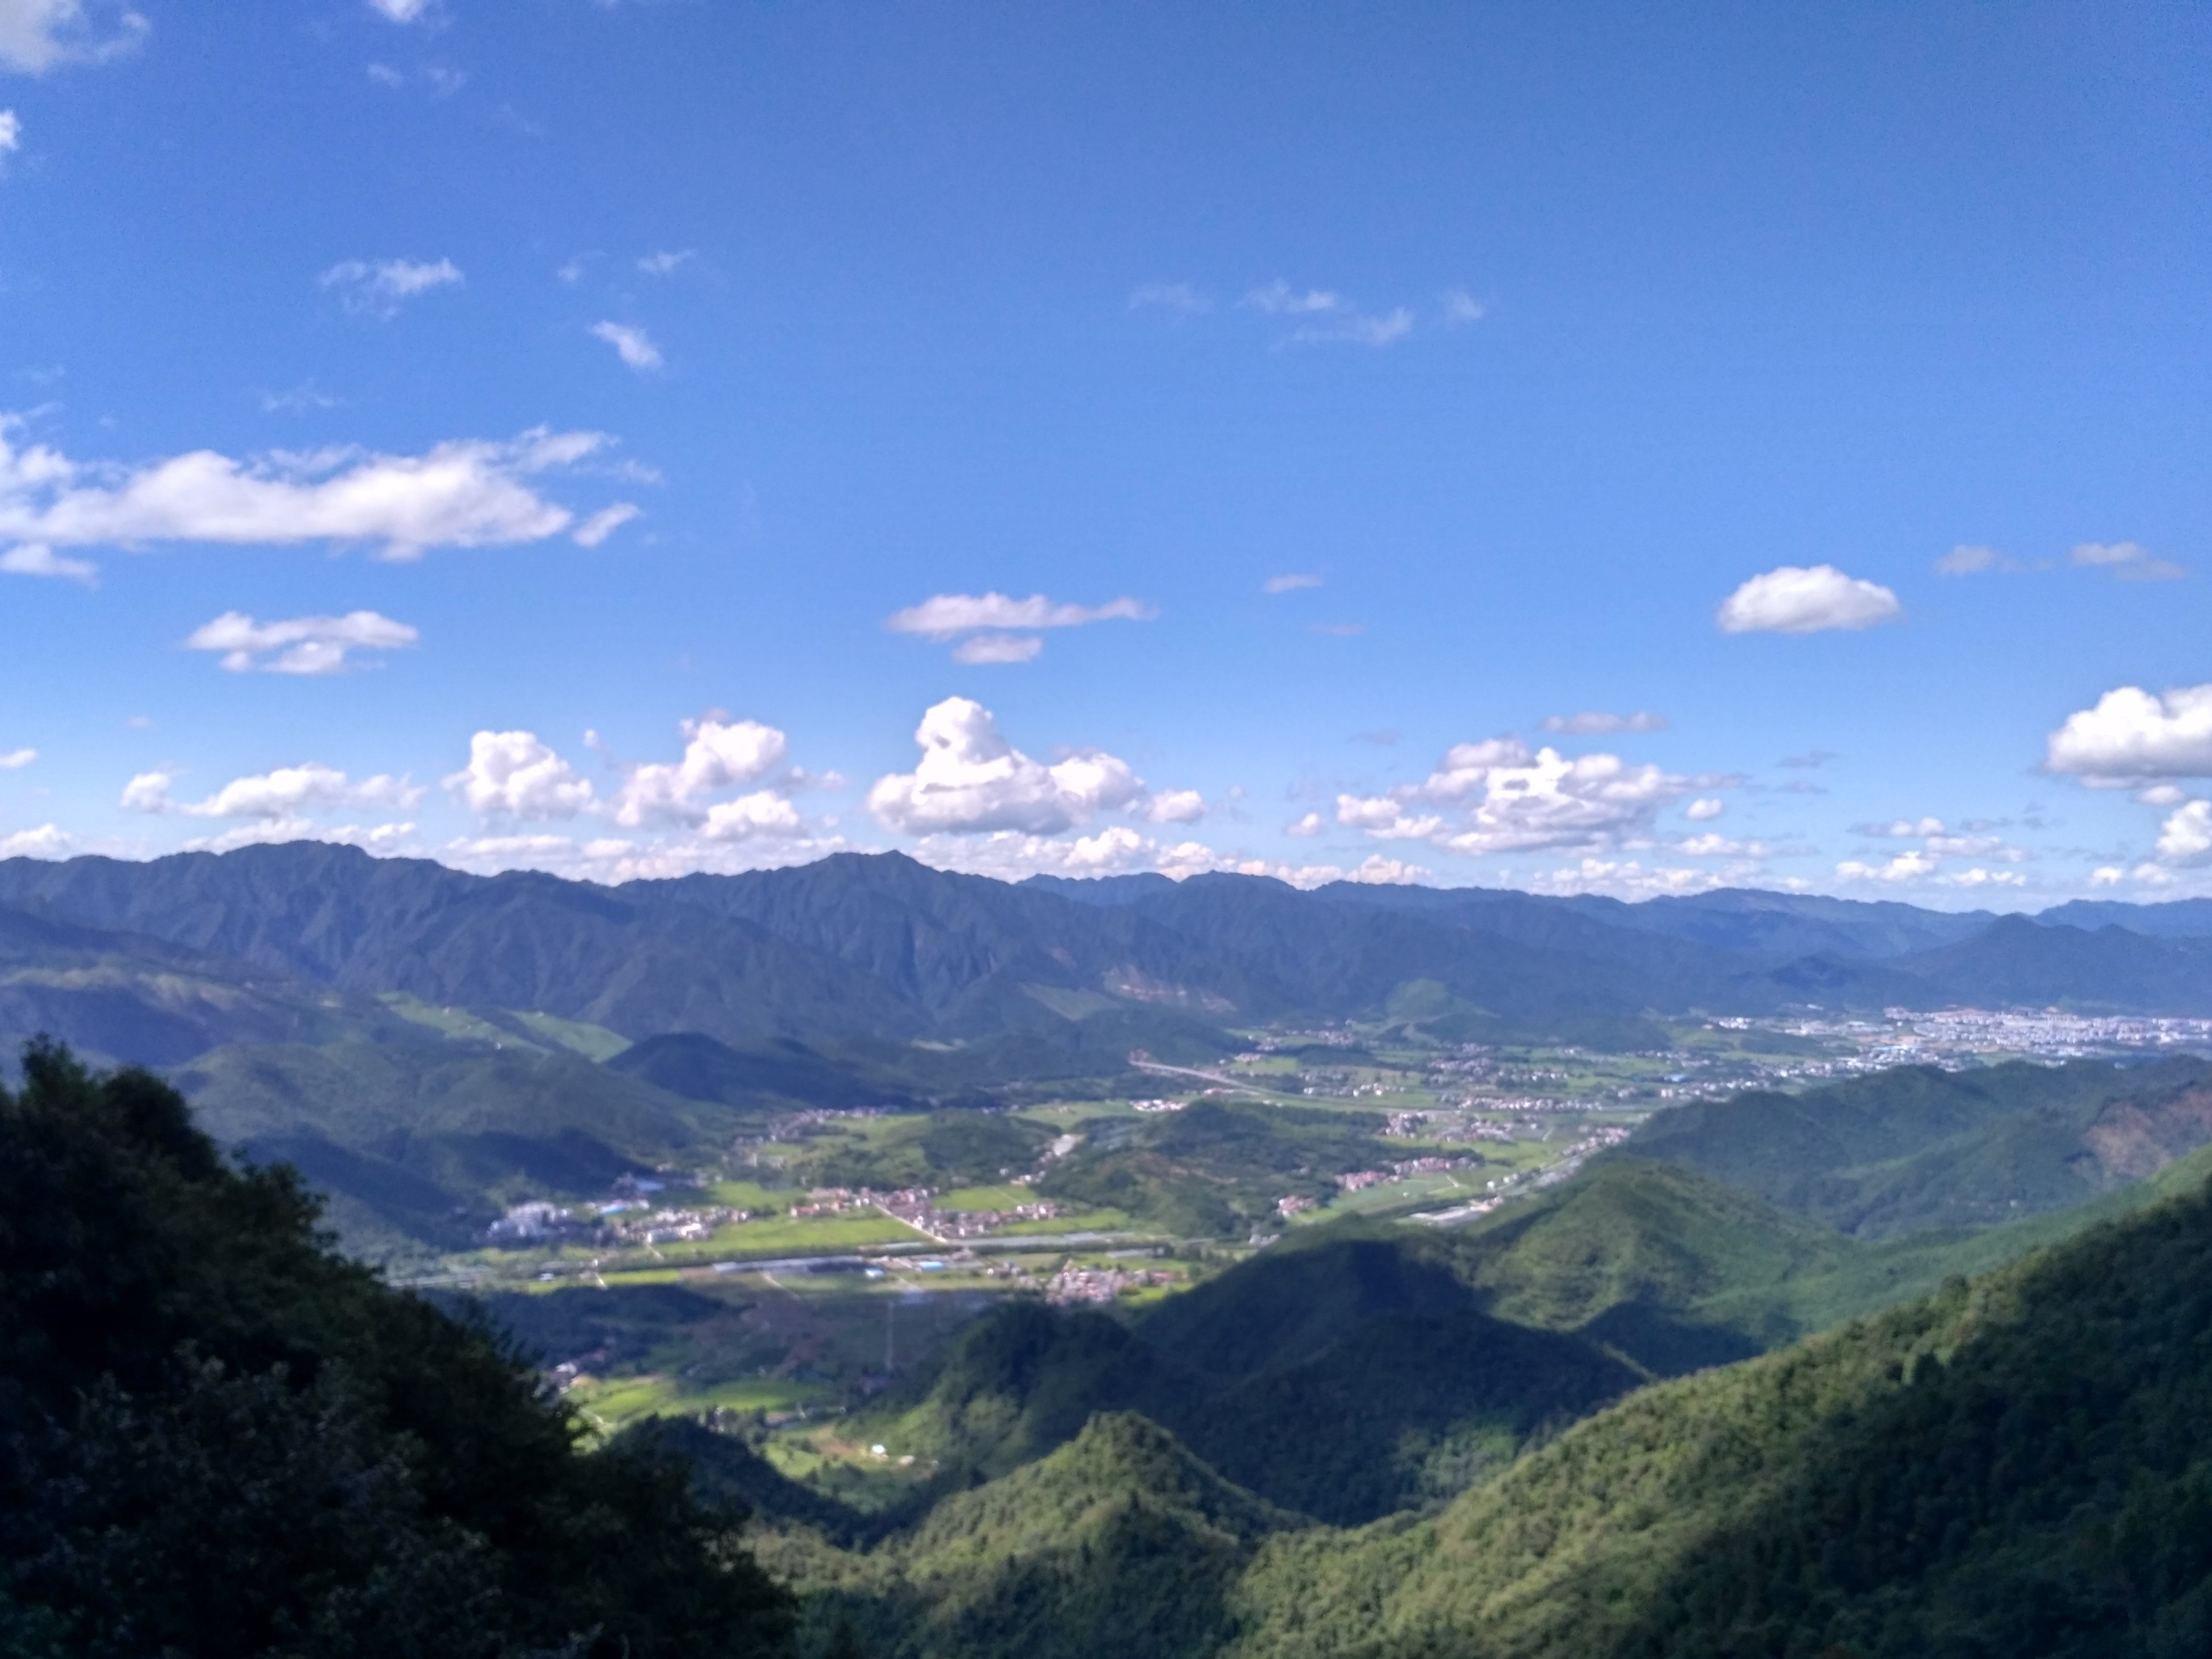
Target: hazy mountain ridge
x=875, y=949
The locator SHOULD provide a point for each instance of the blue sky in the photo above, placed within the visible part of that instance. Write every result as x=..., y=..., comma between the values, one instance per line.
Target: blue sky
x=625, y=438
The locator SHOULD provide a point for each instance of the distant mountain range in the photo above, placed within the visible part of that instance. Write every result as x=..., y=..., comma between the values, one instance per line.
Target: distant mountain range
x=864, y=953
x=428, y=1044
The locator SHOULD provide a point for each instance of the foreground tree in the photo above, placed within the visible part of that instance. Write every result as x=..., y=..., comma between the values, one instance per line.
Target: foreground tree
x=218, y=1438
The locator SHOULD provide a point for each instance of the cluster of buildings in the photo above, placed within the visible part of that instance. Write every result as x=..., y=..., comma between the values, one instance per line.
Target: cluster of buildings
x=1075, y=1284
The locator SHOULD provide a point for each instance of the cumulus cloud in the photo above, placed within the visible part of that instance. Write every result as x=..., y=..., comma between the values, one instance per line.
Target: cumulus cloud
x=1497, y=797
x=463, y=493
x=633, y=345
x=1630, y=878
x=1176, y=806
x=1904, y=867
x=718, y=754
x=379, y=288
x=512, y=774
x=1179, y=299
x=1797, y=599
x=285, y=792
x=2132, y=736
x=1592, y=723
x=1901, y=828
x=1308, y=827
x=1011, y=856
x=48, y=841
x=1289, y=584
x=2185, y=837
x=980, y=648
x=2127, y=561
x=971, y=779
x=37, y=559
x=1704, y=809
x=298, y=645
x=11, y=133
x=37, y=35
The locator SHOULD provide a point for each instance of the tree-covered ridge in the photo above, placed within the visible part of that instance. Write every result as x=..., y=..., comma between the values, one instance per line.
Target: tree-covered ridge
x=218, y=1437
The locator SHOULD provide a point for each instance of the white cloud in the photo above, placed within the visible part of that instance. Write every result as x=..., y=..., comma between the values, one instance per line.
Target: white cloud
x=512, y=774
x=1711, y=845
x=980, y=648
x=1179, y=298
x=283, y=793
x=462, y=493
x=666, y=263
x=1592, y=722
x=1795, y=599
x=604, y=523
x=633, y=345
x=1704, y=809
x=614, y=859
x=1308, y=827
x=1176, y=806
x=1011, y=856
x=384, y=840
x=2127, y=561
x=1289, y=584
x=718, y=754
x=1359, y=328
x=16, y=759
x=1495, y=797
x=37, y=35
x=1901, y=828
x=945, y=615
x=1966, y=560
x=11, y=129
x=299, y=644
x=401, y=11
x=1459, y=307
x=48, y=841
x=2131, y=735
x=1903, y=868
x=970, y=780
x=378, y=289
x=1280, y=299
x=1629, y=878
x=2186, y=836
x=37, y=559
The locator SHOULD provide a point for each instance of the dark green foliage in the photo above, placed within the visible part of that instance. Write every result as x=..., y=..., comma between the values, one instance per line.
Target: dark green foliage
x=216, y=1438
x=945, y=1149
x=777, y=1075
x=1118, y=1545
x=1916, y=1148
x=729, y=1475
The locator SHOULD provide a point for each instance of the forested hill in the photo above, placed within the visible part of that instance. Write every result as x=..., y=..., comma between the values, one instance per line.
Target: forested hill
x=2012, y=1466
x=859, y=949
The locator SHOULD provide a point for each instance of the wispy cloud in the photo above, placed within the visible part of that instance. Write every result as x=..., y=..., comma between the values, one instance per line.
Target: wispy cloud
x=1280, y=299
x=37, y=35
x=467, y=492
x=402, y=11
x=1179, y=298
x=1592, y=721
x=11, y=133
x=379, y=288
x=1289, y=584
x=298, y=645
x=1002, y=629
x=16, y=759
x=633, y=345
x=2127, y=560
x=666, y=262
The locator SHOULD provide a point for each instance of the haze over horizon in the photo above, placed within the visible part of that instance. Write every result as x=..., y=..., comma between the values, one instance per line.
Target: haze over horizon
x=1570, y=449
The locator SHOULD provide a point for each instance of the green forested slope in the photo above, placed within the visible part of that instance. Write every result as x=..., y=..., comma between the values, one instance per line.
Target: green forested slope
x=2012, y=1467
x=217, y=1438
x=1916, y=1148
